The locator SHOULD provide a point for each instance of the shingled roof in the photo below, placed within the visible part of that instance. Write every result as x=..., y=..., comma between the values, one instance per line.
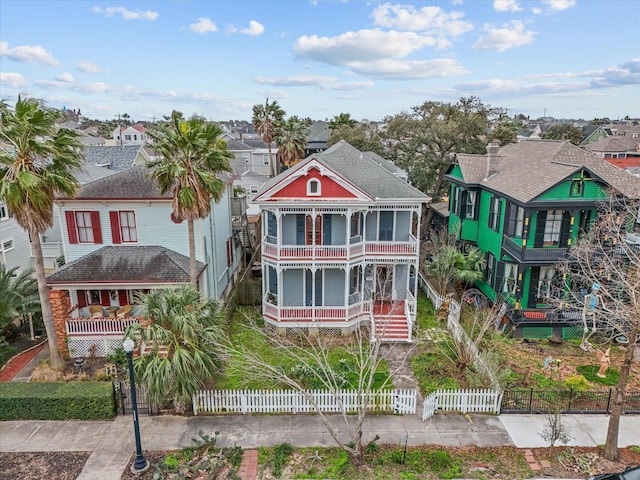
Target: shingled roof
x=127, y=264
x=360, y=169
x=115, y=157
x=134, y=183
x=527, y=169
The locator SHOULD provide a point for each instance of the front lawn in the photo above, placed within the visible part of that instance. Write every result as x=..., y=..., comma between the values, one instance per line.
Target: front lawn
x=337, y=351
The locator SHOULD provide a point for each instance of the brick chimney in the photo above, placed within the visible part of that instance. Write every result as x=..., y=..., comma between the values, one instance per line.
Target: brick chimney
x=492, y=158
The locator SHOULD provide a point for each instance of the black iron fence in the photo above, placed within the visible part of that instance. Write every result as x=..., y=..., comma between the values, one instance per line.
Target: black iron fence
x=566, y=401
x=122, y=394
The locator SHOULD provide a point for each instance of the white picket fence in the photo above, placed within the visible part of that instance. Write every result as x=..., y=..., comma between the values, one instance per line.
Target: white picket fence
x=477, y=400
x=401, y=401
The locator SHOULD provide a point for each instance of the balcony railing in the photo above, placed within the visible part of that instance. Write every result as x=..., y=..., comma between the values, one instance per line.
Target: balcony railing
x=524, y=254
x=339, y=252
x=98, y=326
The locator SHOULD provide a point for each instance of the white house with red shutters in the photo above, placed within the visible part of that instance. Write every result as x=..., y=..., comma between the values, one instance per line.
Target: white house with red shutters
x=120, y=238
x=340, y=245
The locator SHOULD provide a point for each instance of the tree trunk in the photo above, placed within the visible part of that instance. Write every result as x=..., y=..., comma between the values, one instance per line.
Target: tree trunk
x=45, y=303
x=272, y=163
x=193, y=271
x=611, y=443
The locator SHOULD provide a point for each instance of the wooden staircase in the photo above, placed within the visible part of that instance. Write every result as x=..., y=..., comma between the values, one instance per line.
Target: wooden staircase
x=390, y=323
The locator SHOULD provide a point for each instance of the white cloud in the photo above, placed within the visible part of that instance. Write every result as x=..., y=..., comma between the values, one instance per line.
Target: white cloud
x=559, y=5
x=88, y=67
x=320, y=81
x=65, y=77
x=28, y=54
x=506, y=6
x=126, y=14
x=431, y=20
x=361, y=46
x=508, y=36
x=204, y=25
x=13, y=80
x=254, y=29
x=409, y=70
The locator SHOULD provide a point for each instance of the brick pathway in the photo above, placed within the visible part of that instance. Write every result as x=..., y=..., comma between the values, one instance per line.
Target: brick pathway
x=249, y=466
x=533, y=463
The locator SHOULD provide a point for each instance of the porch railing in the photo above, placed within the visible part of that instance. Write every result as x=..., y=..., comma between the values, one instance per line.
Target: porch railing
x=315, y=313
x=99, y=326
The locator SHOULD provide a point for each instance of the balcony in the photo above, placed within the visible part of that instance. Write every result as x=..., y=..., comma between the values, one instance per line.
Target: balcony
x=532, y=255
x=339, y=252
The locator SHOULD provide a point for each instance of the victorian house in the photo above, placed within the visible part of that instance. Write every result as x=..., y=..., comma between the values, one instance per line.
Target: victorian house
x=524, y=205
x=340, y=246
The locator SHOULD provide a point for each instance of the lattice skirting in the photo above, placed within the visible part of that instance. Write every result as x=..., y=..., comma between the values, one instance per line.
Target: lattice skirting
x=82, y=347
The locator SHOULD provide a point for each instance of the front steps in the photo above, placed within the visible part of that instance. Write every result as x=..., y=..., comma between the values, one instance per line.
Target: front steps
x=390, y=323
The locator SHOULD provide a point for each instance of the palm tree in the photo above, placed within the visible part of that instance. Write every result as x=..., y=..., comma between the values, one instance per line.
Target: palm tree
x=38, y=164
x=449, y=265
x=266, y=122
x=342, y=120
x=18, y=294
x=192, y=154
x=291, y=139
x=182, y=339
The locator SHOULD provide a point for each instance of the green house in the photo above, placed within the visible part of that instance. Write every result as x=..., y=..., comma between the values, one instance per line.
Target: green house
x=523, y=205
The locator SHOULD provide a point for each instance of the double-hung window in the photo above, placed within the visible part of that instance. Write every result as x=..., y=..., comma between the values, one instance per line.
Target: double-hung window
x=553, y=227
x=123, y=226
x=4, y=212
x=545, y=281
x=510, y=279
x=494, y=213
x=490, y=269
x=83, y=226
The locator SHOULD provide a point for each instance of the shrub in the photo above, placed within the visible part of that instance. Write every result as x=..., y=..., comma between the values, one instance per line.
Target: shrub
x=280, y=456
x=56, y=400
x=577, y=382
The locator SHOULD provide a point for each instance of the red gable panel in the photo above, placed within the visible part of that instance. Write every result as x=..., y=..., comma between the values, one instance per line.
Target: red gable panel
x=329, y=188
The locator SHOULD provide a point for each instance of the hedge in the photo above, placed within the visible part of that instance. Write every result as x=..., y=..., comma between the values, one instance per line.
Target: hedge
x=56, y=400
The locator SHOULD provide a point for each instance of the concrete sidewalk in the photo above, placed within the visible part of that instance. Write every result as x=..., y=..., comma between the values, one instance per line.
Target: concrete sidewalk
x=112, y=442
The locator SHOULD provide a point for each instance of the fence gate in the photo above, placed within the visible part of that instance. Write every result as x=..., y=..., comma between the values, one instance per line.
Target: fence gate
x=430, y=406
x=122, y=392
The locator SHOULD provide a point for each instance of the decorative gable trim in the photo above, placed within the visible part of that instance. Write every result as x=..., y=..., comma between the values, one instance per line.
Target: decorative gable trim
x=298, y=183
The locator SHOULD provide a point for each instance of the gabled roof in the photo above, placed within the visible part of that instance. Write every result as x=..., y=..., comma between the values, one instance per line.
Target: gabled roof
x=134, y=183
x=615, y=144
x=357, y=168
x=234, y=145
x=318, y=132
x=115, y=157
x=126, y=264
x=525, y=170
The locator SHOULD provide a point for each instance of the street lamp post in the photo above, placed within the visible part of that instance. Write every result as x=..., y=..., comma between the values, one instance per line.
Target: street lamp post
x=140, y=464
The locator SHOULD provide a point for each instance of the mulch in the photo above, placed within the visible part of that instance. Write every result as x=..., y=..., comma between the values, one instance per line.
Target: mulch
x=18, y=362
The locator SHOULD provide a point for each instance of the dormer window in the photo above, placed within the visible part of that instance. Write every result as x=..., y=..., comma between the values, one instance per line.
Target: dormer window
x=313, y=187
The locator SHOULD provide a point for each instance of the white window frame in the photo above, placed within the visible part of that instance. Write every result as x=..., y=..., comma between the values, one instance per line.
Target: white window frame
x=510, y=278
x=545, y=280
x=124, y=225
x=4, y=212
x=7, y=241
x=311, y=183
x=553, y=227
x=519, y=222
x=265, y=159
x=84, y=227
x=246, y=157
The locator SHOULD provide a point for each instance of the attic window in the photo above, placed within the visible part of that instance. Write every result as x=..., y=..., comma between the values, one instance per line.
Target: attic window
x=577, y=188
x=313, y=188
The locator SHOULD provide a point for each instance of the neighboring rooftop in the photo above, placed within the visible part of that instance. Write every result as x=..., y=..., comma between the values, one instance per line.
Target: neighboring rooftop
x=126, y=264
x=527, y=169
x=113, y=157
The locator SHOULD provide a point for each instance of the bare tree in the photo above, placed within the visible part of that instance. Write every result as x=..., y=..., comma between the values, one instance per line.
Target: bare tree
x=602, y=275
x=312, y=354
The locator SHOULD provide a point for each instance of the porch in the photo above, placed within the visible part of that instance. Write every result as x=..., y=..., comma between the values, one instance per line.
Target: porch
x=389, y=321
x=96, y=336
x=340, y=252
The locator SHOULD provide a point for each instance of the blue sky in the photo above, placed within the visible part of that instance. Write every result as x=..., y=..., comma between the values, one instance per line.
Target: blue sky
x=320, y=58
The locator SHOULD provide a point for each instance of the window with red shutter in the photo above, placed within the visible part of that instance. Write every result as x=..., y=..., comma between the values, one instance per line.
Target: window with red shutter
x=115, y=227
x=72, y=229
x=95, y=225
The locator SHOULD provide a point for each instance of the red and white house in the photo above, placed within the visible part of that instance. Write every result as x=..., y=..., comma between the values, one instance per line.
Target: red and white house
x=340, y=245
